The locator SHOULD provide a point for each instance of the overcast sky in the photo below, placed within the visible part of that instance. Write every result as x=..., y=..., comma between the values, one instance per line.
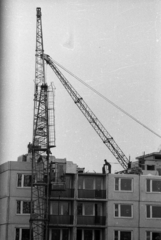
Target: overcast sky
x=113, y=45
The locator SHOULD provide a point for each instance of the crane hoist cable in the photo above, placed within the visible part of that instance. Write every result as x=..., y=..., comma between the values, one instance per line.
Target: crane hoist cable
x=106, y=99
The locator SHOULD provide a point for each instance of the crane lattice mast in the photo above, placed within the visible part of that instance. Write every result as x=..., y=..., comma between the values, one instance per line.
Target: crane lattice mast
x=42, y=142
x=90, y=116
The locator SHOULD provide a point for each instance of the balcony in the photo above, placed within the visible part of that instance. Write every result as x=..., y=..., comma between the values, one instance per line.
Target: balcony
x=68, y=193
x=98, y=194
x=91, y=220
x=61, y=219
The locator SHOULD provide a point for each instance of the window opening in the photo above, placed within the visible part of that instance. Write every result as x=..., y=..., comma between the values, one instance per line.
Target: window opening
x=123, y=210
x=150, y=167
x=23, y=207
x=123, y=184
x=153, y=211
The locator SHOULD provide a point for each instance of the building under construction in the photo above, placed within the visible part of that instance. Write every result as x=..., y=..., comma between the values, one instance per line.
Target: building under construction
x=90, y=206
x=45, y=198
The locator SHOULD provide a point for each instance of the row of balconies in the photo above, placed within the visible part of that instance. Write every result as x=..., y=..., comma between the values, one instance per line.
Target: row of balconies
x=82, y=193
x=81, y=220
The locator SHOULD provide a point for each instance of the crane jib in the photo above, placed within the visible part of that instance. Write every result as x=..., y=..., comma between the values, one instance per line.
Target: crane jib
x=90, y=116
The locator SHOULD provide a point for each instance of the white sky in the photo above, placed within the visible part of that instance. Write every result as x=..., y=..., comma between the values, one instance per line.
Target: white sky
x=113, y=45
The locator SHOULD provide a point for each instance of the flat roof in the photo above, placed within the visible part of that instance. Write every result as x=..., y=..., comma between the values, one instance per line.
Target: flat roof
x=149, y=155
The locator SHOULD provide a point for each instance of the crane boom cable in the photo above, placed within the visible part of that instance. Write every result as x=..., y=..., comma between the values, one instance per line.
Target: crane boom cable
x=106, y=99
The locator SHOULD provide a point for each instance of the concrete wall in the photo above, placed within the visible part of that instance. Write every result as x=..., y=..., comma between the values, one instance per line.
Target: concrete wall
x=122, y=195
x=3, y=232
x=146, y=196
x=13, y=216
x=144, y=230
x=11, y=230
x=18, y=191
x=147, y=222
x=4, y=210
x=122, y=221
x=8, y=178
x=9, y=194
x=4, y=183
x=138, y=197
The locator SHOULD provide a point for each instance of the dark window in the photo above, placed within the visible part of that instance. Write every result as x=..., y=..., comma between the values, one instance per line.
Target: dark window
x=156, y=211
x=65, y=234
x=80, y=182
x=60, y=208
x=153, y=211
x=60, y=172
x=125, y=235
x=148, y=211
x=24, y=180
x=56, y=234
x=27, y=180
x=79, y=234
x=88, y=209
x=153, y=185
x=116, y=210
x=123, y=184
x=147, y=235
x=98, y=182
x=97, y=235
x=150, y=167
x=19, y=180
x=116, y=235
x=25, y=234
x=156, y=186
x=55, y=208
x=98, y=208
x=65, y=206
x=126, y=184
x=68, y=182
x=18, y=206
x=116, y=183
x=17, y=234
x=148, y=185
x=156, y=236
x=89, y=182
x=125, y=210
x=87, y=234
x=80, y=209
x=26, y=207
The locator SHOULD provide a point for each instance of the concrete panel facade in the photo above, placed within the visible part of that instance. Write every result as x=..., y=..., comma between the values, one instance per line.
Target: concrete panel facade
x=123, y=221
x=132, y=195
x=148, y=222
x=116, y=193
x=149, y=196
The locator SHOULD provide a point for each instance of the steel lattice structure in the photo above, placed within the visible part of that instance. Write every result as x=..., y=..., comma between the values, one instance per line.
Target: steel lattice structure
x=90, y=116
x=42, y=142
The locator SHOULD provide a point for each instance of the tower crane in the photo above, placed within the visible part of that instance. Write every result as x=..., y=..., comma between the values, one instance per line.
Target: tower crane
x=90, y=116
x=43, y=141
x=44, y=136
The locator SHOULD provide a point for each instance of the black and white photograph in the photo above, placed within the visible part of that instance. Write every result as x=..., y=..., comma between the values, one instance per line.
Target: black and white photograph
x=80, y=120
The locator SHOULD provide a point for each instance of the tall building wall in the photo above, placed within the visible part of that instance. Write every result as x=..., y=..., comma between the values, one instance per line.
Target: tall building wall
x=10, y=193
x=93, y=206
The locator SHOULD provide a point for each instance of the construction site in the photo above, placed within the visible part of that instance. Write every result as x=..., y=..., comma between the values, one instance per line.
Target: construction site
x=43, y=197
